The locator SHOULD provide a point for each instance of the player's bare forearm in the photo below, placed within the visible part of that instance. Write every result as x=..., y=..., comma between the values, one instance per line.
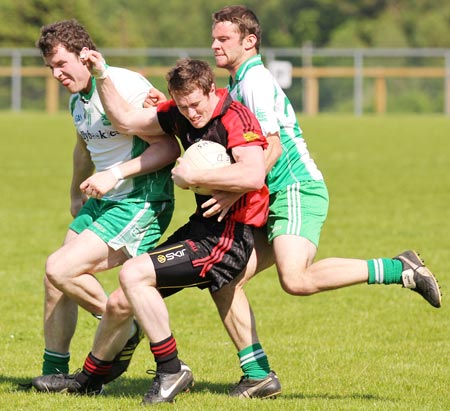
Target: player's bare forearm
x=246, y=174
x=124, y=117
x=163, y=150
x=273, y=151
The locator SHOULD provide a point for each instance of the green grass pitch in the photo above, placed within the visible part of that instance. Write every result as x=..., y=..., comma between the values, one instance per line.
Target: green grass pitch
x=358, y=348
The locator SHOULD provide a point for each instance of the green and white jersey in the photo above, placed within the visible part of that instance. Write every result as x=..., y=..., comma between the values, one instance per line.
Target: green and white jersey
x=109, y=148
x=256, y=88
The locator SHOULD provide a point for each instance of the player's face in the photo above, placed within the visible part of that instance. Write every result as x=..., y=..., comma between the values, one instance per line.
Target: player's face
x=68, y=69
x=229, y=49
x=197, y=107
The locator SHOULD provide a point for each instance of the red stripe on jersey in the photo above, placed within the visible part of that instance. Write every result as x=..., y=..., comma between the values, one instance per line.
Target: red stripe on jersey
x=252, y=208
x=220, y=249
x=243, y=114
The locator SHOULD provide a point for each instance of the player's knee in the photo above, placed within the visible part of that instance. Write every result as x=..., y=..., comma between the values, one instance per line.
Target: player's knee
x=128, y=275
x=294, y=289
x=53, y=272
x=118, y=305
x=297, y=284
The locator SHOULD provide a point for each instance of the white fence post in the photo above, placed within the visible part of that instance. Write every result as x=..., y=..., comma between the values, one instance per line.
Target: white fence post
x=16, y=81
x=358, y=84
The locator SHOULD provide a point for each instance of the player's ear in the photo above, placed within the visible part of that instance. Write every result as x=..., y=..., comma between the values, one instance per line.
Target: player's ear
x=250, y=41
x=83, y=52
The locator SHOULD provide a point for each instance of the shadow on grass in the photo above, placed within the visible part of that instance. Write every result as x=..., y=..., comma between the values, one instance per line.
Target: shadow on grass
x=139, y=386
x=131, y=387
x=121, y=387
x=329, y=396
x=17, y=384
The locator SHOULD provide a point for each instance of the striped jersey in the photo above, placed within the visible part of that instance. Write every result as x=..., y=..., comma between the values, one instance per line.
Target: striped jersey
x=257, y=89
x=232, y=125
x=109, y=148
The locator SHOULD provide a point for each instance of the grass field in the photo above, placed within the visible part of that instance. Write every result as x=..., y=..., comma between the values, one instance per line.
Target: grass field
x=359, y=348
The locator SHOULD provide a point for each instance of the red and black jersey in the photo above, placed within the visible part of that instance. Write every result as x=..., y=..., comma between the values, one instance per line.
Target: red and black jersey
x=231, y=125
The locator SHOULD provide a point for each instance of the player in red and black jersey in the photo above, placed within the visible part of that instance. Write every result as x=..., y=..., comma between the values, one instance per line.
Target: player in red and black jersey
x=231, y=125
x=204, y=252
x=218, y=250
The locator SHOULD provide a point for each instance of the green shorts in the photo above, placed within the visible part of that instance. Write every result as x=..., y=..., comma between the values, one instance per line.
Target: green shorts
x=299, y=209
x=134, y=225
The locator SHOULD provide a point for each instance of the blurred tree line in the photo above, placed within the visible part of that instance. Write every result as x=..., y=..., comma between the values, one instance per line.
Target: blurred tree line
x=285, y=23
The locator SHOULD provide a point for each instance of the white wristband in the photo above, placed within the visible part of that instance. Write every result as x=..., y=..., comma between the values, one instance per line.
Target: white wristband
x=101, y=75
x=117, y=173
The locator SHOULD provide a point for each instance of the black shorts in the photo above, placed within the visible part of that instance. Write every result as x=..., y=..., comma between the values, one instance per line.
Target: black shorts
x=203, y=253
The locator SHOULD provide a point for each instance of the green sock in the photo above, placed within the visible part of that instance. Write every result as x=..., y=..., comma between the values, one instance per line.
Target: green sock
x=254, y=362
x=55, y=363
x=385, y=271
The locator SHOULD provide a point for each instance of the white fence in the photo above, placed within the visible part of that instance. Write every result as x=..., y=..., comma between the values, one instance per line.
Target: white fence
x=308, y=66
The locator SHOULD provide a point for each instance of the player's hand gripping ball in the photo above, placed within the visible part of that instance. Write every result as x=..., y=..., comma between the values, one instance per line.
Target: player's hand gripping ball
x=204, y=155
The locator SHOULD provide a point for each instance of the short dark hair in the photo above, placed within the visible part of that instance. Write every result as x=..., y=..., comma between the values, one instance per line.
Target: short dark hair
x=244, y=18
x=188, y=75
x=68, y=33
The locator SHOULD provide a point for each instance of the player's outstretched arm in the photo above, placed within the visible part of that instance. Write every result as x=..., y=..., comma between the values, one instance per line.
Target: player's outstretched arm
x=163, y=150
x=124, y=117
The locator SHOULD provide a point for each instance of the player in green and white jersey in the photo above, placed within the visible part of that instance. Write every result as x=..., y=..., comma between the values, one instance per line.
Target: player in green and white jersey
x=145, y=193
x=254, y=86
x=121, y=193
x=108, y=147
x=298, y=201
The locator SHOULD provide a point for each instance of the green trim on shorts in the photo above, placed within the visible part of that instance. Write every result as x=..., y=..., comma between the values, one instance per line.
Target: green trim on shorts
x=299, y=209
x=135, y=225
